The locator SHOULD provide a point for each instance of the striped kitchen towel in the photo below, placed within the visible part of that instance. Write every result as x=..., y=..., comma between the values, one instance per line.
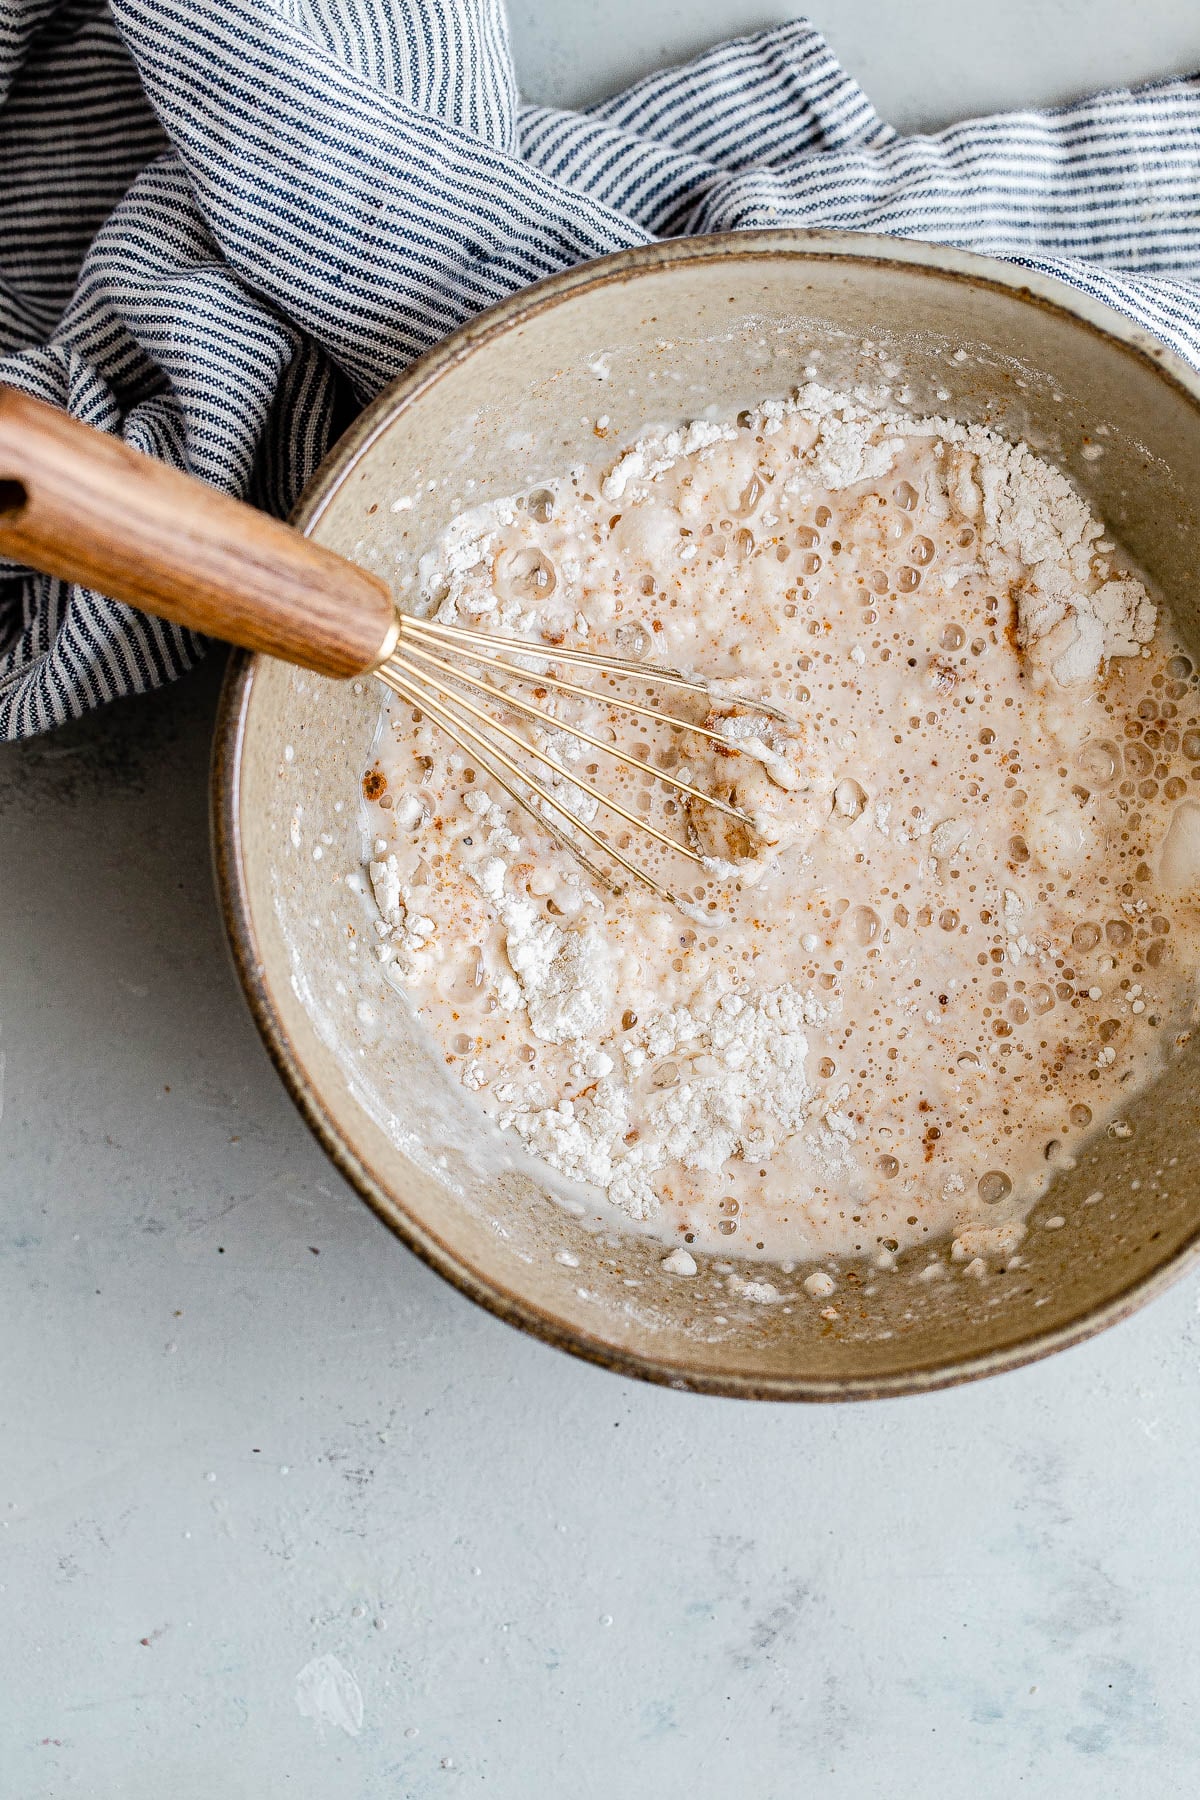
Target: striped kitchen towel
x=225, y=224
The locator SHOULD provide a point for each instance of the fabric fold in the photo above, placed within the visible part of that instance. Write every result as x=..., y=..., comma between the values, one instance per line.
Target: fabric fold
x=225, y=224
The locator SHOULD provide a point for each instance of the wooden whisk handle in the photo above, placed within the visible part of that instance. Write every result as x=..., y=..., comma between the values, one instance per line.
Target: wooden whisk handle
x=83, y=505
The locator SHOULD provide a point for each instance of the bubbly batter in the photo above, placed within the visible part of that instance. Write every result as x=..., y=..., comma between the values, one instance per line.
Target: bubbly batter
x=962, y=931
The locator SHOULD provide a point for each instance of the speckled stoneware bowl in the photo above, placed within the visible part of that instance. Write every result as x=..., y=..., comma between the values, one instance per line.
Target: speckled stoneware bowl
x=657, y=335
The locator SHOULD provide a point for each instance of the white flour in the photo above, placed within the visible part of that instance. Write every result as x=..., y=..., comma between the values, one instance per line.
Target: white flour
x=1032, y=512
x=728, y=1054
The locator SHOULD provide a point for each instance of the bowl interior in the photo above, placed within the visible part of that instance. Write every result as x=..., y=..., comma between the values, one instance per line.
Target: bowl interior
x=660, y=336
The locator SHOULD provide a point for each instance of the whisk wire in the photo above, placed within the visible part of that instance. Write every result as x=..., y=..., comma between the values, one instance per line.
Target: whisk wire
x=586, y=737
x=654, y=674
x=474, y=744
x=456, y=634
x=577, y=780
x=418, y=670
x=617, y=701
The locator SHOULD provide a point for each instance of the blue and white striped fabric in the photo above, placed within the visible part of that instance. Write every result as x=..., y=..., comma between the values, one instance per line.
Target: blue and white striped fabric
x=224, y=224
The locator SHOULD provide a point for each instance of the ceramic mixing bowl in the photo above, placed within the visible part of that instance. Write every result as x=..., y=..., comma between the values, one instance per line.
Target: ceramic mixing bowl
x=657, y=335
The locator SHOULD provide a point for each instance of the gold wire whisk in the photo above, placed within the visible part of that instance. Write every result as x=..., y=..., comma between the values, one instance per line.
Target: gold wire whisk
x=420, y=672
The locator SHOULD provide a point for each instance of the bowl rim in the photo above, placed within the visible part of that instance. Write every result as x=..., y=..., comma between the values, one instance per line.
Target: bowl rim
x=923, y=1376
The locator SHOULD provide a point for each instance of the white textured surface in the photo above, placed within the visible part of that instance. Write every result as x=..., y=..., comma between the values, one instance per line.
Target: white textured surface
x=283, y=1523
x=923, y=64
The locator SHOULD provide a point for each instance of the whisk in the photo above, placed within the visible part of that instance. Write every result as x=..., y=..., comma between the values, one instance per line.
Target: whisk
x=82, y=505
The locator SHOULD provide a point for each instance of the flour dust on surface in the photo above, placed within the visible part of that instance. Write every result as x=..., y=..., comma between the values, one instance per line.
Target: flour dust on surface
x=961, y=932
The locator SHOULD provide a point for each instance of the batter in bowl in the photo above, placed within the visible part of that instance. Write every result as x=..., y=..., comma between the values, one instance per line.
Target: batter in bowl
x=962, y=934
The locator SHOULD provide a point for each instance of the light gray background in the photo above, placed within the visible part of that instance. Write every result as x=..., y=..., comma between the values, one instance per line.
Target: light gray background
x=259, y=1468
